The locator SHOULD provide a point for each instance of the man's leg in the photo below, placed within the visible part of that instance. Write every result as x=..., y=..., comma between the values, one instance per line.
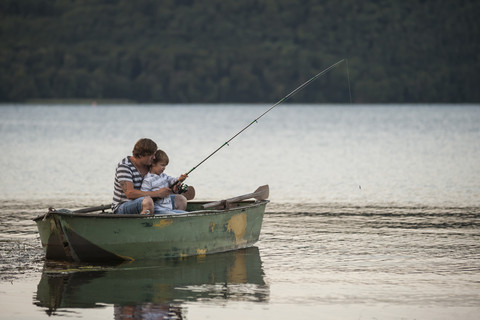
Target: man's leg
x=137, y=206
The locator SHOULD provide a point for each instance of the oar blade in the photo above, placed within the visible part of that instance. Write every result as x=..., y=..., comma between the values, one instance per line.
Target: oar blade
x=190, y=193
x=261, y=193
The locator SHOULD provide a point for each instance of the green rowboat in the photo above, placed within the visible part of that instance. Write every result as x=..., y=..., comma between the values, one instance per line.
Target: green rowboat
x=96, y=234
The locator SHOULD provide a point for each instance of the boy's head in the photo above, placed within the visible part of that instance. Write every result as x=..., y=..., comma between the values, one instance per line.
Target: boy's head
x=161, y=156
x=159, y=163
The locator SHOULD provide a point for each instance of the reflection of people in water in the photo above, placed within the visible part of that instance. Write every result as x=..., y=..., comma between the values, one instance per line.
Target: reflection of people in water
x=147, y=311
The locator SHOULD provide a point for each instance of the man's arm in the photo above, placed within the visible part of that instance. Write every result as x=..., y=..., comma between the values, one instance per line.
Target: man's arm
x=132, y=193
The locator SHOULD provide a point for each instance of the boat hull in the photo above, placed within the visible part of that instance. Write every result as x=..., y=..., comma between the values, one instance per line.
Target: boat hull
x=109, y=237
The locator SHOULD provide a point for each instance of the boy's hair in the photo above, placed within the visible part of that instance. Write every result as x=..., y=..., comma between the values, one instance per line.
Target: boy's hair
x=144, y=147
x=160, y=156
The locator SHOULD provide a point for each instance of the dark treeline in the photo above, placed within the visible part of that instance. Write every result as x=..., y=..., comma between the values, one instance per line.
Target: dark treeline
x=239, y=51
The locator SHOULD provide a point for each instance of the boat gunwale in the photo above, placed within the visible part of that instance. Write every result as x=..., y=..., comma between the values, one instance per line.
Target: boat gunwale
x=250, y=204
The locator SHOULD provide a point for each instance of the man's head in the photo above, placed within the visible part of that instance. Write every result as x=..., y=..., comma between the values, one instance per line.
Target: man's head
x=144, y=147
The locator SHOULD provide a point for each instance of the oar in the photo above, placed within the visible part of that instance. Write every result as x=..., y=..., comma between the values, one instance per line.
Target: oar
x=190, y=193
x=260, y=194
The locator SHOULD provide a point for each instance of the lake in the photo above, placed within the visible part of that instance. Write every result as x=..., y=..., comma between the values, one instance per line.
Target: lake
x=374, y=210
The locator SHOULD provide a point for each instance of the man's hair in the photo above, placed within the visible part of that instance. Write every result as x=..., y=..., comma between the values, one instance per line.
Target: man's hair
x=144, y=147
x=161, y=156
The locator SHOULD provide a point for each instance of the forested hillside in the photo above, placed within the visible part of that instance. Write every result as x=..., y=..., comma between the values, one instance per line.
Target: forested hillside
x=212, y=51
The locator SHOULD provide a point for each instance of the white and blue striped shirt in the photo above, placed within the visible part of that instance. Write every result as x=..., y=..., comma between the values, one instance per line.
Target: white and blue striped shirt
x=153, y=182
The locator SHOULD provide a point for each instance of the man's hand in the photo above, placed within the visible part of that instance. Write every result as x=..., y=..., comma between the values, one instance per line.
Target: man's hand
x=162, y=193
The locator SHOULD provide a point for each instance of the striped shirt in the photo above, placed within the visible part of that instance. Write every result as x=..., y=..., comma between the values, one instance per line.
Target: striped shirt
x=126, y=171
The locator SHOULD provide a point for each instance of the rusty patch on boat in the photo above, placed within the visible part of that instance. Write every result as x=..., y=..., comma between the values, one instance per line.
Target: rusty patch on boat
x=163, y=223
x=238, y=225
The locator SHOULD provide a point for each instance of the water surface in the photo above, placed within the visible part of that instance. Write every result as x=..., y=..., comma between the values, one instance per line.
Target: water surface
x=374, y=211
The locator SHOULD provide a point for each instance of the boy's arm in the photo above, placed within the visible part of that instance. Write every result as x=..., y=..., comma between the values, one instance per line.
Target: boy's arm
x=174, y=181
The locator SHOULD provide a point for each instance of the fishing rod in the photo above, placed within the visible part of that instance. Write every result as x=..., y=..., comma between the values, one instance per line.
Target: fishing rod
x=303, y=85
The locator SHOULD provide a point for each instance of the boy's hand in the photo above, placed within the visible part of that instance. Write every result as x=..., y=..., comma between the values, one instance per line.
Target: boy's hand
x=178, y=183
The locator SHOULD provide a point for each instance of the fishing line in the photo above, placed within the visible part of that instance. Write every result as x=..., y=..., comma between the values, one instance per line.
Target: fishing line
x=349, y=151
x=348, y=79
x=303, y=85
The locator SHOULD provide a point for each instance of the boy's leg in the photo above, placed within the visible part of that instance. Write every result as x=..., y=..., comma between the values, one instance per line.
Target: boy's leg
x=180, y=203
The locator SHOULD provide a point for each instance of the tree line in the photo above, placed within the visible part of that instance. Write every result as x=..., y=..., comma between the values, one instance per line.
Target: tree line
x=187, y=51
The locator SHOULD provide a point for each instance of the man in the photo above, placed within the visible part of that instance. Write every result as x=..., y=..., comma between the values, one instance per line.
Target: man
x=127, y=196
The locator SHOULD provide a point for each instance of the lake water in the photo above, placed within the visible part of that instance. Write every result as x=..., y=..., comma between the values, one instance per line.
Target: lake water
x=374, y=213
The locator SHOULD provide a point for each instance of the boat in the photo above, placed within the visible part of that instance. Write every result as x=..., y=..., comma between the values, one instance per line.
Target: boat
x=96, y=234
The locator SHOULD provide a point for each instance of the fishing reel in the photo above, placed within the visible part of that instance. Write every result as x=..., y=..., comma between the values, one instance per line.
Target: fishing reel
x=179, y=188
x=182, y=187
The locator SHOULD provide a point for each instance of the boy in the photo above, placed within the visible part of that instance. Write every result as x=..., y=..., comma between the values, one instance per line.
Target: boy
x=157, y=179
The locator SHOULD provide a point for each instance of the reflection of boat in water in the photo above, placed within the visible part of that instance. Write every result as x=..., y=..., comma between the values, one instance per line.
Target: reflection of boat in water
x=233, y=275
